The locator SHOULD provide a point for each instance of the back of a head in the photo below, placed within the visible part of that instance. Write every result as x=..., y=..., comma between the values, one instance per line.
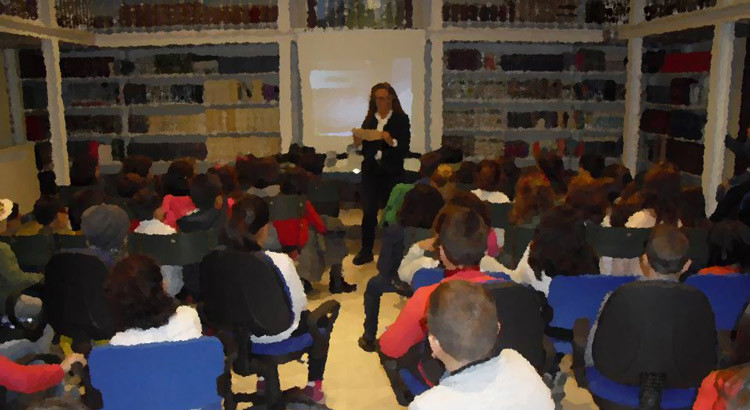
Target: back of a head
x=508, y=176
x=559, y=245
x=420, y=207
x=295, y=182
x=465, y=173
x=249, y=215
x=729, y=244
x=589, y=196
x=662, y=186
x=144, y=203
x=313, y=163
x=534, y=196
x=488, y=174
x=469, y=200
x=227, y=176
x=463, y=236
x=667, y=249
x=46, y=210
x=463, y=319
x=83, y=171
x=267, y=172
x=428, y=163
x=137, y=164
x=176, y=180
x=82, y=201
x=593, y=164
x=204, y=189
x=136, y=296
x=553, y=168
x=442, y=175
x=105, y=226
x=619, y=173
x=129, y=184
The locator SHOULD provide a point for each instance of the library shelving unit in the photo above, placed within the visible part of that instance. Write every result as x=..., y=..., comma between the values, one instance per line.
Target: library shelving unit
x=482, y=89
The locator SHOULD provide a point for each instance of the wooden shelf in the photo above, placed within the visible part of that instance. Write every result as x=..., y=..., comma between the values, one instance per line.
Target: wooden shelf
x=674, y=107
x=537, y=134
x=519, y=105
x=551, y=75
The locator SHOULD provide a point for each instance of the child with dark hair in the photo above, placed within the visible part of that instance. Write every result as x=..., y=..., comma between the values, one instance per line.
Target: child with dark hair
x=260, y=177
x=205, y=192
x=312, y=238
x=728, y=249
x=464, y=176
x=462, y=244
x=129, y=184
x=620, y=178
x=508, y=176
x=463, y=331
x=488, y=183
x=143, y=312
x=84, y=171
x=176, y=187
x=691, y=208
x=82, y=201
x=592, y=165
x=137, y=164
x=50, y=217
x=229, y=184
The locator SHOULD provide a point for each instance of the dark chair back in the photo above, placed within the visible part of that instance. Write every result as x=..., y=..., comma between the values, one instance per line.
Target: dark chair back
x=179, y=249
x=500, y=214
x=617, y=242
x=522, y=313
x=32, y=252
x=414, y=235
x=283, y=207
x=656, y=327
x=70, y=242
x=517, y=239
x=325, y=197
x=171, y=375
x=74, y=297
x=698, y=252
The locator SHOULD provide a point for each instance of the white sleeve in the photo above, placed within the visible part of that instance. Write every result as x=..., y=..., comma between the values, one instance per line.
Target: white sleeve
x=488, y=264
x=187, y=325
x=523, y=272
x=292, y=279
x=413, y=261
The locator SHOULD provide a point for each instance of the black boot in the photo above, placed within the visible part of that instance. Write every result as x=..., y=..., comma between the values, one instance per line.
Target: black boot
x=363, y=257
x=308, y=286
x=337, y=283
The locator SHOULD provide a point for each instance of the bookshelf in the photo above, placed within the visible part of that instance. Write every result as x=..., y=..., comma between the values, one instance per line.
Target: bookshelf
x=504, y=97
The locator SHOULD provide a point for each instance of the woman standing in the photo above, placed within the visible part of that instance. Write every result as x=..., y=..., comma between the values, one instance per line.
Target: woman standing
x=383, y=160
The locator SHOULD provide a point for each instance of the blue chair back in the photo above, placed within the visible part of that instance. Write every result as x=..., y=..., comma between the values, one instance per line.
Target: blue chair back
x=579, y=297
x=164, y=376
x=426, y=277
x=727, y=294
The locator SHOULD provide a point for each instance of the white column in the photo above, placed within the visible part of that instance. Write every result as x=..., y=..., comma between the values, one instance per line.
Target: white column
x=631, y=127
x=285, y=93
x=58, y=134
x=720, y=81
x=15, y=96
x=284, y=21
x=436, y=96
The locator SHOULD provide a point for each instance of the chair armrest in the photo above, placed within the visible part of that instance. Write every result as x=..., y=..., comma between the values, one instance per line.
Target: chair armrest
x=32, y=333
x=330, y=310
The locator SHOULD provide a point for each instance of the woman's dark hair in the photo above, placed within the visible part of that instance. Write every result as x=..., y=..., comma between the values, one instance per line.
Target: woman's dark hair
x=83, y=171
x=620, y=176
x=559, y=246
x=420, y=207
x=729, y=244
x=46, y=209
x=488, y=175
x=372, y=108
x=471, y=201
x=204, y=189
x=136, y=296
x=249, y=215
x=176, y=180
x=82, y=201
x=508, y=176
x=624, y=209
x=129, y=184
x=691, y=208
x=661, y=189
x=534, y=196
x=137, y=164
x=593, y=164
x=554, y=168
x=295, y=181
x=228, y=177
x=144, y=203
x=589, y=197
x=465, y=173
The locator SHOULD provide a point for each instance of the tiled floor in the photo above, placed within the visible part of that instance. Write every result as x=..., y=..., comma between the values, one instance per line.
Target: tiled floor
x=353, y=378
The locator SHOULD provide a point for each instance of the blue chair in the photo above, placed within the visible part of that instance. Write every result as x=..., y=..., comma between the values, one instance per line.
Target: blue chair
x=426, y=277
x=172, y=375
x=577, y=297
x=728, y=295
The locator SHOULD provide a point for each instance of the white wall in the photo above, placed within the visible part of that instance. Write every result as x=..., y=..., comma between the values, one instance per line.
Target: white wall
x=344, y=65
x=19, y=182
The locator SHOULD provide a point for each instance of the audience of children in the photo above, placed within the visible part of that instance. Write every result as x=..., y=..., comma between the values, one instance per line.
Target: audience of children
x=451, y=203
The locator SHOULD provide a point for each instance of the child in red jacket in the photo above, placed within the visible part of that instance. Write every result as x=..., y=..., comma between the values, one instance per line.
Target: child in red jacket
x=28, y=379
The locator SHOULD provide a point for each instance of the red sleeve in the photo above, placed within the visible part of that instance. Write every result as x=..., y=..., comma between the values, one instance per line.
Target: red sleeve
x=409, y=327
x=707, y=394
x=313, y=218
x=29, y=379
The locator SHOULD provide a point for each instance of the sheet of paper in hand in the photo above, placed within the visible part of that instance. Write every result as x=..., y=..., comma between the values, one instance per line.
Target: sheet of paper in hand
x=367, y=135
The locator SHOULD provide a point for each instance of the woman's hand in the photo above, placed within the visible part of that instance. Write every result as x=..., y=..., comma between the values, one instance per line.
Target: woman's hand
x=357, y=141
x=387, y=138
